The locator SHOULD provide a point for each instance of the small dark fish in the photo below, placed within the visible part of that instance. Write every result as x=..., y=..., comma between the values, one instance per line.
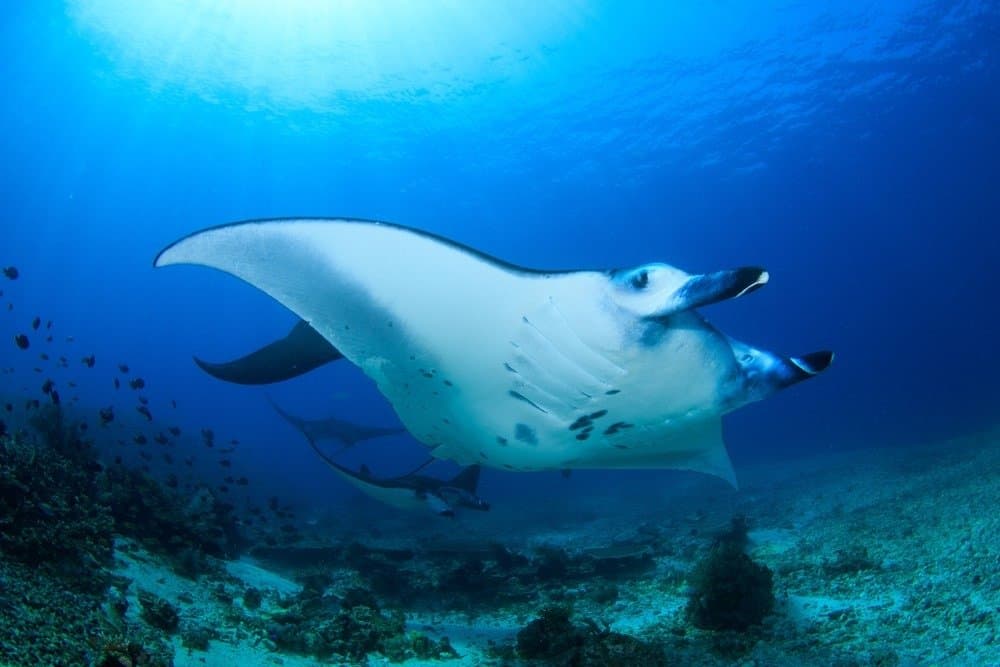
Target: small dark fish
x=37, y=369
x=11, y=272
x=118, y=460
x=70, y=339
x=189, y=461
x=223, y=488
x=89, y=361
x=174, y=431
x=229, y=479
x=71, y=383
x=63, y=362
x=83, y=426
x=144, y=411
x=107, y=415
x=35, y=323
x=173, y=403
x=22, y=341
x=48, y=325
x=144, y=400
x=43, y=356
x=139, y=439
x=117, y=383
x=160, y=439
x=234, y=441
x=8, y=407
x=93, y=466
x=47, y=387
x=55, y=397
x=123, y=368
x=48, y=339
x=225, y=463
x=137, y=383
x=242, y=481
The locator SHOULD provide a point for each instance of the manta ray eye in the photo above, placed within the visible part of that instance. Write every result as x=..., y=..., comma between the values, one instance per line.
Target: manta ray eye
x=639, y=280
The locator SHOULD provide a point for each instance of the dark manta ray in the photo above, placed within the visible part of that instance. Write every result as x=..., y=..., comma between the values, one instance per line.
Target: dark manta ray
x=414, y=492
x=346, y=433
x=488, y=362
x=411, y=491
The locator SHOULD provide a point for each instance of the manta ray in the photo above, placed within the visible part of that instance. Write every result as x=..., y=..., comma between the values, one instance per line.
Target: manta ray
x=417, y=492
x=346, y=433
x=491, y=363
x=409, y=492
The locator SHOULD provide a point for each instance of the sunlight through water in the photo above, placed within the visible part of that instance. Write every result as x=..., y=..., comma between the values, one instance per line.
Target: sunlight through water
x=321, y=54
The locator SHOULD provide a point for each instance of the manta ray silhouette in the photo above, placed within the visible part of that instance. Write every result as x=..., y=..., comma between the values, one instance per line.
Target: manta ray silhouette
x=521, y=369
x=410, y=491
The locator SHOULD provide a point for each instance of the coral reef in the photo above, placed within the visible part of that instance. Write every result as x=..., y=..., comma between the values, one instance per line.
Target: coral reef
x=553, y=638
x=158, y=613
x=50, y=515
x=729, y=590
x=350, y=627
x=190, y=531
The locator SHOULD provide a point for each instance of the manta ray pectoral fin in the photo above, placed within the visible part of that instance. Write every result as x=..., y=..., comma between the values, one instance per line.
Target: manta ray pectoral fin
x=709, y=288
x=301, y=351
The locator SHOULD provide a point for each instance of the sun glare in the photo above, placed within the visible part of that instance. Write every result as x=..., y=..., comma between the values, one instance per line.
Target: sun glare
x=317, y=53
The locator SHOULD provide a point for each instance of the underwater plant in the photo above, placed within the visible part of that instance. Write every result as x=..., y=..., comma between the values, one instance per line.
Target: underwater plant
x=729, y=590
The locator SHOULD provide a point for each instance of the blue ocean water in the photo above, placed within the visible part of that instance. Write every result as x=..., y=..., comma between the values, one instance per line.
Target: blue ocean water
x=852, y=148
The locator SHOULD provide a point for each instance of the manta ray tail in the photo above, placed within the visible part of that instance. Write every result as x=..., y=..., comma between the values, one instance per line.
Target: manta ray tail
x=302, y=350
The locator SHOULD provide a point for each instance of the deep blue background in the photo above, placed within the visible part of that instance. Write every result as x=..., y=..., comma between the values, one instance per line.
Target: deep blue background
x=852, y=149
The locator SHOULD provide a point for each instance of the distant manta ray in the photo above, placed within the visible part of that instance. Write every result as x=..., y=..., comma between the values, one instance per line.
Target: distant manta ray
x=346, y=433
x=411, y=491
x=520, y=369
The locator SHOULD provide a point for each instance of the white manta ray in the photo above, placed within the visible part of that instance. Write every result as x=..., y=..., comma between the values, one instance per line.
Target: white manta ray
x=519, y=369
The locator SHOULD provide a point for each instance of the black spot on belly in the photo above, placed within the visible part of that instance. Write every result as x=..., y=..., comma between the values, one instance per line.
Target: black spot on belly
x=522, y=397
x=617, y=426
x=525, y=434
